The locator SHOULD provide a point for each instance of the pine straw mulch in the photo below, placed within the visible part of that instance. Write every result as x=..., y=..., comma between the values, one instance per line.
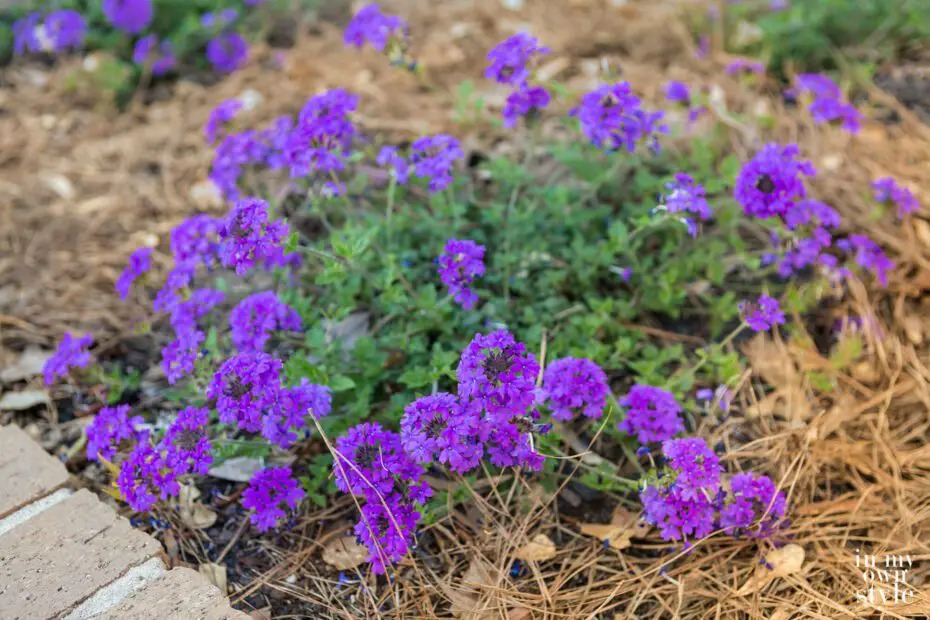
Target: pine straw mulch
x=80, y=187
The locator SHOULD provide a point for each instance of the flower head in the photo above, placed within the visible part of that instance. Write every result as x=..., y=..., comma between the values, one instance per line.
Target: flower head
x=695, y=466
x=185, y=446
x=248, y=236
x=573, y=386
x=390, y=158
x=195, y=240
x=888, y=190
x=227, y=52
x=219, y=116
x=25, y=38
x=255, y=317
x=827, y=105
x=754, y=506
x=869, y=256
x=387, y=527
x=321, y=141
x=497, y=371
x=652, y=414
x=144, y=477
x=743, y=65
x=63, y=30
x=612, y=117
x=525, y=100
x=677, y=92
x=131, y=16
x=72, y=353
x=676, y=516
x=245, y=387
x=160, y=55
x=111, y=426
x=282, y=423
x=763, y=314
x=140, y=261
x=441, y=428
x=270, y=492
x=179, y=356
x=511, y=61
x=686, y=196
x=432, y=158
x=372, y=26
x=771, y=183
x=459, y=264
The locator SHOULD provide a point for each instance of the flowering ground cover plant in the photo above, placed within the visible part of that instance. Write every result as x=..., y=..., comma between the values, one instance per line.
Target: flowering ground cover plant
x=501, y=313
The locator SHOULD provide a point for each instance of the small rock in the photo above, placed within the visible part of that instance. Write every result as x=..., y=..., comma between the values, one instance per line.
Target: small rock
x=18, y=401
x=28, y=365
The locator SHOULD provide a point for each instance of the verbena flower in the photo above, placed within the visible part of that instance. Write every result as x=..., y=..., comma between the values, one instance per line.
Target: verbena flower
x=131, y=16
x=144, y=478
x=283, y=423
x=159, y=55
x=185, y=446
x=389, y=157
x=763, y=314
x=196, y=240
x=810, y=211
x=440, y=428
x=219, y=19
x=219, y=116
x=696, y=467
x=170, y=294
x=71, y=353
x=185, y=314
x=25, y=38
x=678, y=517
x=888, y=190
x=322, y=138
x=255, y=317
x=524, y=101
x=227, y=52
x=248, y=236
x=111, y=426
x=807, y=250
x=869, y=256
x=269, y=494
x=678, y=92
x=612, y=117
x=827, y=105
x=771, y=183
x=235, y=152
x=62, y=30
x=510, y=442
x=387, y=528
x=499, y=373
x=743, y=65
x=140, y=262
x=754, y=507
x=686, y=196
x=372, y=26
x=245, y=387
x=572, y=386
x=459, y=264
x=432, y=158
x=512, y=60
x=652, y=414
x=180, y=356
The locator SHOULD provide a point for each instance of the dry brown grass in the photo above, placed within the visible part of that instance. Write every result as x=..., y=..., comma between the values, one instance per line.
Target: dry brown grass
x=855, y=462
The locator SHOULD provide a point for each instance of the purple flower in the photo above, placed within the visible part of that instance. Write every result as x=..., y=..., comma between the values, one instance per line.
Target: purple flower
x=184, y=314
x=511, y=61
x=236, y=151
x=459, y=264
x=246, y=386
x=282, y=424
x=177, y=280
x=144, y=477
x=812, y=211
x=677, y=92
x=574, y=386
x=219, y=116
x=440, y=428
x=270, y=491
x=195, y=240
x=888, y=190
x=139, y=262
x=131, y=16
x=63, y=30
x=652, y=414
x=227, y=52
x=255, y=317
x=678, y=517
x=160, y=55
x=111, y=426
x=826, y=105
x=24, y=34
x=763, y=314
x=72, y=353
x=387, y=528
x=869, y=256
x=185, y=445
x=179, y=357
x=432, y=157
x=697, y=469
x=612, y=117
x=248, y=237
x=220, y=19
x=687, y=196
x=743, y=65
x=526, y=101
x=321, y=141
x=499, y=373
x=388, y=157
x=510, y=441
x=771, y=183
x=374, y=27
x=722, y=395
x=754, y=507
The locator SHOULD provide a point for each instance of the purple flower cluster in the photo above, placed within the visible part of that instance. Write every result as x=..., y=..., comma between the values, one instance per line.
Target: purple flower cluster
x=575, y=385
x=144, y=478
x=459, y=264
x=763, y=314
x=511, y=62
x=370, y=462
x=239, y=150
x=140, y=262
x=321, y=141
x=888, y=190
x=255, y=317
x=227, y=52
x=245, y=387
x=869, y=256
x=283, y=423
x=745, y=66
x=270, y=491
x=444, y=429
x=678, y=92
x=612, y=117
x=827, y=105
x=372, y=26
x=185, y=446
x=60, y=31
x=249, y=237
x=432, y=158
x=219, y=116
x=111, y=426
x=131, y=16
x=771, y=183
x=148, y=51
x=71, y=353
x=652, y=414
x=686, y=196
x=754, y=507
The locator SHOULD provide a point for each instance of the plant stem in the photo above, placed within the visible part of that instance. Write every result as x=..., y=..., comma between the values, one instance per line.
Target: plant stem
x=714, y=349
x=389, y=209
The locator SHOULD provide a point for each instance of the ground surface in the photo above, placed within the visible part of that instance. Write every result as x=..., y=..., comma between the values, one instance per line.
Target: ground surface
x=82, y=186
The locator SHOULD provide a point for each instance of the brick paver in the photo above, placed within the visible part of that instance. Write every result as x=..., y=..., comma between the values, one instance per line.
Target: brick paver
x=57, y=559
x=27, y=472
x=179, y=594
